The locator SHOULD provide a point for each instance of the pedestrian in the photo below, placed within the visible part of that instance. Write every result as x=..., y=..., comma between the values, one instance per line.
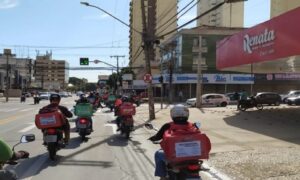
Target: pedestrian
x=180, y=95
x=242, y=97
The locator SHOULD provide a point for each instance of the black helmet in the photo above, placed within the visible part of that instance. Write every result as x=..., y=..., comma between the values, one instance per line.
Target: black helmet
x=54, y=97
x=125, y=99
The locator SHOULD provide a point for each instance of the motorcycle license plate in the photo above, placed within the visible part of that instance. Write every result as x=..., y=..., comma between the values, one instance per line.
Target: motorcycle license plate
x=82, y=126
x=50, y=138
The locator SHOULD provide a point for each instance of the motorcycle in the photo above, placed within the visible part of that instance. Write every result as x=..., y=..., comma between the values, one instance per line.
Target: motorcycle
x=184, y=170
x=110, y=105
x=5, y=174
x=53, y=140
x=83, y=111
x=36, y=100
x=136, y=100
x=84, y=126
x=126, y=126
x=249, y=103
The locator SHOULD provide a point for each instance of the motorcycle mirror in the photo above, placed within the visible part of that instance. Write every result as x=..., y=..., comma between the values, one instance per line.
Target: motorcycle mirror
x=197, y=125
x=27, y=138
x=149, y=126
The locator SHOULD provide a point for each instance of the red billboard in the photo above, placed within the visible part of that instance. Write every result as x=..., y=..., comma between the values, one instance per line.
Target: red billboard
x=271, y=40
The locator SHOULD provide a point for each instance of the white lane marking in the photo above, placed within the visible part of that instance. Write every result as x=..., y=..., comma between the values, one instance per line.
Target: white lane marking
x=28, y=109
x=214, y=174
x=9, y=110
x=27, y=128
x=113, y=126
x=35, y=167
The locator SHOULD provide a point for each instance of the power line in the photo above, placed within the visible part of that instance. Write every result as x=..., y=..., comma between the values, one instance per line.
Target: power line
x=169, y=20
x=163, y=15
x=63, y=47
x=194, y=19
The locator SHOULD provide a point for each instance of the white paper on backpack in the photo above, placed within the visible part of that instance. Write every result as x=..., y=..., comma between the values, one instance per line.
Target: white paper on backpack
x=188, y=149
x=47, y=120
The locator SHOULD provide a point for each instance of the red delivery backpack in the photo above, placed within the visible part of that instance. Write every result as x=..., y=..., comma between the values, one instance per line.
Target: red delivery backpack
x=127, y=109
x=49, y=118
x=185, y=143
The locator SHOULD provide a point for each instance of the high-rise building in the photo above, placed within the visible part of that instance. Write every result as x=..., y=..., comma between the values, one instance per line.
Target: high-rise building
x=228, y=15
x=19, y=72
x=51, y=74
x=165, y=21
x=281, y=6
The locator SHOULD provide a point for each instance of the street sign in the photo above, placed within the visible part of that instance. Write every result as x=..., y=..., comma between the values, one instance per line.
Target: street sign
x=147, y=78
x=127, y=77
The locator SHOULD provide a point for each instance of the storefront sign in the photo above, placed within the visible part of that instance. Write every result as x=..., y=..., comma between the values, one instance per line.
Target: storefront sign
x=207, y=79
x=269, y=41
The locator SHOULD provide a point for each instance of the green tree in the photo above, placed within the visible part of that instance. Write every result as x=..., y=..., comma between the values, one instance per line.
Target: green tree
x=127, y=70
x=112, y=81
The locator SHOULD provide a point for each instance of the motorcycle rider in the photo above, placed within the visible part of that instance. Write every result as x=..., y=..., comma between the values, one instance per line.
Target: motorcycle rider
x=125, y=101
x=118, y=103
x=83, y=99
x=179, y=115
x=54, y=103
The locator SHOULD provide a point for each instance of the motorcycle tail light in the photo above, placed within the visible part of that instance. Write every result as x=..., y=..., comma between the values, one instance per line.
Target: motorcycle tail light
x=51, y=131
x=193, y=167
x=82, y=121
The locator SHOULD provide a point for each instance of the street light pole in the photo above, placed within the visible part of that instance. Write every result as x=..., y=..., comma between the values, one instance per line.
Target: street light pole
x=117, y=57
x=7, y=52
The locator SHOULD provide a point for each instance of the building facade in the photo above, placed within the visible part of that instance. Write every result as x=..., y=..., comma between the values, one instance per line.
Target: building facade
x=165, y=21
x=228, y=15
x=51, y=74
x=182, y=56
x=281, y=6
x=20, y=71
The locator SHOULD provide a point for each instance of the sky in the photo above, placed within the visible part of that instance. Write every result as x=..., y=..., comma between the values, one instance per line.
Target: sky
x=71, y=30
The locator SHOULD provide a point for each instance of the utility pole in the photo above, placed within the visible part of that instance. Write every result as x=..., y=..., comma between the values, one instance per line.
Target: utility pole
x=7, y=52
x=199, y=75
x=118, y=74
x=148, y=39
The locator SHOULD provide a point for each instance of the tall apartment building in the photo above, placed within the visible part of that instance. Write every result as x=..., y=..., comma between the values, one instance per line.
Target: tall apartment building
x=19, y=72
x=281, y=6
x=51, y=74
x=165, y=10
x=228, y=15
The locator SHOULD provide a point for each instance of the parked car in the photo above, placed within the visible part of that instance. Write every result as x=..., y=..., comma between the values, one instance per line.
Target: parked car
x=293, y=93
x=293, y=100
x=211, y=99
x=27, y=94
x=231, y=97
x=268, y=98
x=63, y=94
x=44, y=96
x=79, y=93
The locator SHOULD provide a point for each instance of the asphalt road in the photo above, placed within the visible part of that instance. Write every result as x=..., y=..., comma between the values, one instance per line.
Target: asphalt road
x=106, y=155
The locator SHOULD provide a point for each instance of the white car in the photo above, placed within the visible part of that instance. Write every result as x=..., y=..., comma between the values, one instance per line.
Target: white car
x=211, y=99
x=294, y=93
x=44, y=96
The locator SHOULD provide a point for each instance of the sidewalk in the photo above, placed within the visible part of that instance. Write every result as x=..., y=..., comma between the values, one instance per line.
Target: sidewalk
x=244, y=144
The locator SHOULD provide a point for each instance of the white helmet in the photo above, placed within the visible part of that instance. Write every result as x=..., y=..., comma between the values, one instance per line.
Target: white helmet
x=179, y=111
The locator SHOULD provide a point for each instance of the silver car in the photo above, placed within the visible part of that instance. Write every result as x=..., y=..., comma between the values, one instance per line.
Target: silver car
x=211, y=99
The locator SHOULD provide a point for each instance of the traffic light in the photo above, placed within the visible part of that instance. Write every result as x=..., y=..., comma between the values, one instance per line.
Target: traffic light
x=161, y=79
x=84, y=61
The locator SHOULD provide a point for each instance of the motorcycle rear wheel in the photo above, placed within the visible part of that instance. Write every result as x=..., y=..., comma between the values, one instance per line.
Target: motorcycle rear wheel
x=52, y=151
x=259, y=106
x=242, y=107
